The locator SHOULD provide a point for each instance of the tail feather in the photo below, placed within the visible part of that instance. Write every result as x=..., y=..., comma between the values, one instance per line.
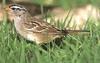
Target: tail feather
x=73, y=31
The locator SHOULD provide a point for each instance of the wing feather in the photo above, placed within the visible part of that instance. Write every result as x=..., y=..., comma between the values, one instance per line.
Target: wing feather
x=37, y=26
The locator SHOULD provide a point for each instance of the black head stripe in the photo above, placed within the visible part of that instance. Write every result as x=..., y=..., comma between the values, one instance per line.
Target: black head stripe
x=17, y=7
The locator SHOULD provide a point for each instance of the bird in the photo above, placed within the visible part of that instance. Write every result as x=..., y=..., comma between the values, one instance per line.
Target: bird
x=34, y=29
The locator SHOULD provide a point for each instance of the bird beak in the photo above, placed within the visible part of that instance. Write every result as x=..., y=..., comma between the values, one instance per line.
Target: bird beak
x=6, y=8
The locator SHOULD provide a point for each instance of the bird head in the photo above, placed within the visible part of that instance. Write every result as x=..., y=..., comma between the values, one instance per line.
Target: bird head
x=15, y=10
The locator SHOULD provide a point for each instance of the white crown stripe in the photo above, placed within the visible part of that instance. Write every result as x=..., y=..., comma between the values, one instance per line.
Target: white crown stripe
x=17, y=7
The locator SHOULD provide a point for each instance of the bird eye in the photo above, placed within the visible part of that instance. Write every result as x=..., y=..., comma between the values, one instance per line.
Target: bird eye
x=13, y=8
x=16, y=9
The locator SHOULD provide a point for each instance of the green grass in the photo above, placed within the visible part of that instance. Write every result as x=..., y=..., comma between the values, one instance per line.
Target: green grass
x=76, y=49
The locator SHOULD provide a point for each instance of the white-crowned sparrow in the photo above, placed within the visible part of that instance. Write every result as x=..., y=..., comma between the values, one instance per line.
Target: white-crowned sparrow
x=34, y=29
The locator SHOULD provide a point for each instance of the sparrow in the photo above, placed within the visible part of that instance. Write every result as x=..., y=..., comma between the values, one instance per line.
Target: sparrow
x=34, y=29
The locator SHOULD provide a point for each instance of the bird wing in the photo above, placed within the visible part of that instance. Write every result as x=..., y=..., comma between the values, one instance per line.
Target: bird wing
x=39, y=26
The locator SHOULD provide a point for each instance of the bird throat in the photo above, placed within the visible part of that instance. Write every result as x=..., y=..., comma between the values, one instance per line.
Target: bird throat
x=17, y=22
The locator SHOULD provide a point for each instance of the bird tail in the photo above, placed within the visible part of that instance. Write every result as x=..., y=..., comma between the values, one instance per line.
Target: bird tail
x=74, y=31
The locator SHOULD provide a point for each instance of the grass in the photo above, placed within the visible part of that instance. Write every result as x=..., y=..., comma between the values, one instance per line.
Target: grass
x=76, y=49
